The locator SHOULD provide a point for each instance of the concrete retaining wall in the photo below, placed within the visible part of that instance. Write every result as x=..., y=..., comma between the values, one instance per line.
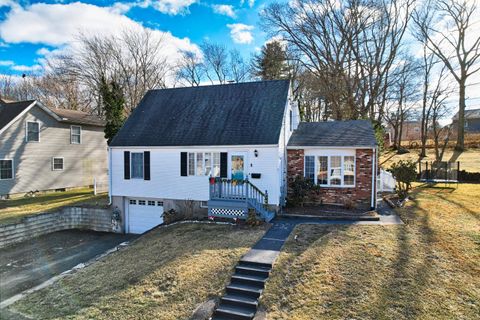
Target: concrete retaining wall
x=66, y=218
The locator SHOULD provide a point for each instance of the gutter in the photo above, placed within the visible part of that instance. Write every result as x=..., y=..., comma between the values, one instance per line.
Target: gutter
x=374, y=164
x=110, y=176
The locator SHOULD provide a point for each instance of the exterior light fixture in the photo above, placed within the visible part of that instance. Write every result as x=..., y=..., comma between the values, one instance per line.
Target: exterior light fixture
x=255, y=152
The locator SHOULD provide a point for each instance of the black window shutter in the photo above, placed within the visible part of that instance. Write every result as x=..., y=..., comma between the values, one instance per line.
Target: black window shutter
x=223, y=164
x=126, y=165
x=183, y=164
x=146, y=165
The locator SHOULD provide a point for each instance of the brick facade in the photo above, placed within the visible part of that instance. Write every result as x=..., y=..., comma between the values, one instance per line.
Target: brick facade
x=360, y=195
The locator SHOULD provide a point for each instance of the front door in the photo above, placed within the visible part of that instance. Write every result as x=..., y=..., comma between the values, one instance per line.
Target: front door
x=238, y=166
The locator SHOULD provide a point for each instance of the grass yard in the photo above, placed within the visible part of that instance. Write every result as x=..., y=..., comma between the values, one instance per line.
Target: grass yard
x=428, y=268
x=164, y=275
x=469, y=159
x=13, y=210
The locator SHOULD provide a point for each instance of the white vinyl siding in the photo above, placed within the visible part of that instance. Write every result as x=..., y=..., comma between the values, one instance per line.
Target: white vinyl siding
x=6, y=169
x=75, y=134
x=57, y=164
x=33, y=131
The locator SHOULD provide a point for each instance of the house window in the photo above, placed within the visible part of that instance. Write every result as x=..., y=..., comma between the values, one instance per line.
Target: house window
x=336, y=170
x=203, y=204
x=191, y=164
x=204, y=164
x=151, y=203
x=160, y=203
x=322, y=170
x=141, y=202
x=291, y=120
x=136, y=165
x=310, y=168
x=6, y=169
x=133, y=201
x=348, y=170
x=33, y=131
x=331, y=170
x=75, y=135
x=216, y=164
x=208, y=163
x=199, y=164
x=57, y=164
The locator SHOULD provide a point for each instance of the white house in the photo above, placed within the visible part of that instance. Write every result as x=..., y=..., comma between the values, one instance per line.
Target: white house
x=219, y=150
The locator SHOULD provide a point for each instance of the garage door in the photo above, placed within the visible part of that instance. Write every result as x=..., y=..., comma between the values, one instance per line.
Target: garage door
x=144, y=214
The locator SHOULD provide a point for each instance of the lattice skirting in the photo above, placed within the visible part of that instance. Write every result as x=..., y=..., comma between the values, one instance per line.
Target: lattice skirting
x=226, y=212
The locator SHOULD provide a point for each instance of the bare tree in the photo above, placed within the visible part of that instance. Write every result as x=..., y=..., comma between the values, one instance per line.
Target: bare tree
x=238, y=70
x=133, y=60
x=189, y=69
x=443, y=40
x=349, y=45
x=215, y=62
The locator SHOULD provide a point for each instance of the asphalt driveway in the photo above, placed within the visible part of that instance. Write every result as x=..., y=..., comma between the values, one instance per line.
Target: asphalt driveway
x=30, y=263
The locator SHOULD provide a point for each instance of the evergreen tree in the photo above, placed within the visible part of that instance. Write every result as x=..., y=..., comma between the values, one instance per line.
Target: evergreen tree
x=271, y=63
x=113, y=102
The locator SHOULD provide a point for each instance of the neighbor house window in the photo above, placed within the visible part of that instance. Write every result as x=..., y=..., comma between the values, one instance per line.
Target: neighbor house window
x=204, y=164
x=57, y=164
x=331, y=170
x=136, y=165
x=291, y=120
x=33, y=131
x=75, y=134
x=6, y=169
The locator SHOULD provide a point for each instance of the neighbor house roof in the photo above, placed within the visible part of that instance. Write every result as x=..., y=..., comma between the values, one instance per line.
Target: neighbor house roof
x=469, y=114
x=231, y=114
x=78, y=117
x=9, y=112
x=352, y=133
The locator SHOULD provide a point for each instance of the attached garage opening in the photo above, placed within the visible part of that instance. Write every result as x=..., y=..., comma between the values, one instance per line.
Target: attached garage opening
x=144, y=214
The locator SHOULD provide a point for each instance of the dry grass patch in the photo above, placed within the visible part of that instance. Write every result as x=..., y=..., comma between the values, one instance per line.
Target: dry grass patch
x=13, y=210
x=469, y=159
x=164, y=275
x=428, y=268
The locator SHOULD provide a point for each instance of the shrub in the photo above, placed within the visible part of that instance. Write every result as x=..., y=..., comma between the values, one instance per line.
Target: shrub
x=252, y=218
x=405, y=173
x=301, y=190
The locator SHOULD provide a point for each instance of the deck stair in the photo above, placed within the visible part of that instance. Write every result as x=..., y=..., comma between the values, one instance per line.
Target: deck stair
x=240, y=301
x=234, y=198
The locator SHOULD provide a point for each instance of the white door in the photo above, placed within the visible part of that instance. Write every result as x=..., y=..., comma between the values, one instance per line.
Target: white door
x=144, y=214
x=238, y=165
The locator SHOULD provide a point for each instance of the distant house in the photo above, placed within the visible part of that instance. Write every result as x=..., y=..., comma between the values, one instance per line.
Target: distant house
x=472, y=120
x=44, y=149
x=225, y=150
x=411, y=131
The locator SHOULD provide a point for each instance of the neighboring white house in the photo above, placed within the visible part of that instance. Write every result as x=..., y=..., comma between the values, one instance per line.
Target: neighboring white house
x=220, y=149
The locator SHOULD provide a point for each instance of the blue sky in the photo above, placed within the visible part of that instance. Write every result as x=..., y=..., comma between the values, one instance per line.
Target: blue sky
x=30, y=30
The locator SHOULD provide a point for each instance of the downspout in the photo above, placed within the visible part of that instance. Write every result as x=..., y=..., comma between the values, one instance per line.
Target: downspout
x=374, y=157
x=109, y=176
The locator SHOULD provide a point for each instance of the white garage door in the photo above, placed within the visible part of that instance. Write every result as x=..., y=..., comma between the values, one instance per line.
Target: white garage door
x=144, y=214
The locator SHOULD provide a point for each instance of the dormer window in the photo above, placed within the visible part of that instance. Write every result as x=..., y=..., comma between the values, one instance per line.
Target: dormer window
x=75, y=135
x=33, y=131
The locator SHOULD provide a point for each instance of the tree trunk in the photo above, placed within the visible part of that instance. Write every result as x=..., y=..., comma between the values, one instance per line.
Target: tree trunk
x=461, y=117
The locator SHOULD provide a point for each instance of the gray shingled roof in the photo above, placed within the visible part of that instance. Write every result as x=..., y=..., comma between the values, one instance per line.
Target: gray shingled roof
x=469, y=114
x=8, y=111
x=352, y=133
x=78, y=117
x=232, y=114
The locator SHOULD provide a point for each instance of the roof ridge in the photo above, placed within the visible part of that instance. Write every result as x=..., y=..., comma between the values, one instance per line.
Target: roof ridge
x=220, y=85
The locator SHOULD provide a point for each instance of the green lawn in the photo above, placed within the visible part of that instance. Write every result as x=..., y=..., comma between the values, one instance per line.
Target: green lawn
x=13, y=210
x=428, y=268
x=163, y=275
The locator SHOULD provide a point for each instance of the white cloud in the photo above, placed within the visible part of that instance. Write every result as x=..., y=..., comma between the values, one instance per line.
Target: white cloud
x=23, y=68
x=224, y=9
x=241, y=33
x=172, y=7
x=250, y=3
x=57, y=25
x=6, y=63
x=42, y=51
